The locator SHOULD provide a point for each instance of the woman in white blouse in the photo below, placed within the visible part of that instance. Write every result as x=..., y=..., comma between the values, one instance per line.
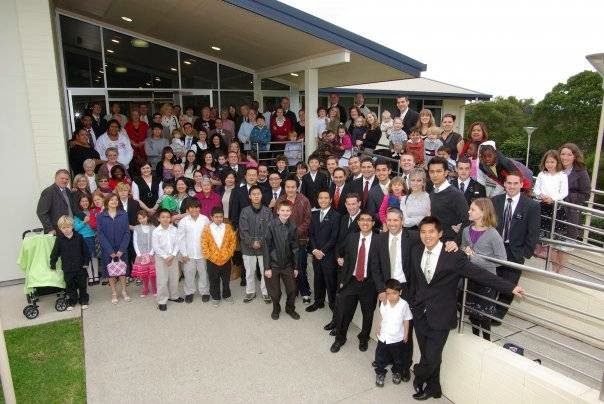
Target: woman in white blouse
x=168, y=120
x=551, y=186
x=416, y=204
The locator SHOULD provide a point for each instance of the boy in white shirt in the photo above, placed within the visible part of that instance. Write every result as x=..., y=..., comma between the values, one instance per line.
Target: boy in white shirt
x=194, y=263
x=392, y=333
x=165, y=245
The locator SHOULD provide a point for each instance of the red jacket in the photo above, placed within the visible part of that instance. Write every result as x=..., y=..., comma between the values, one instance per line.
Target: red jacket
x=280, y=133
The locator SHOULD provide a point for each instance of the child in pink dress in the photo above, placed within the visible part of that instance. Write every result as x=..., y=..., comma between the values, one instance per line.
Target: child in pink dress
x=396, y=192
x=144, y=265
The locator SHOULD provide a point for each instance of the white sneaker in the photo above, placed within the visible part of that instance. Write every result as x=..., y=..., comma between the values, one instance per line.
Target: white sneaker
x=84, y=306
x=69, y=308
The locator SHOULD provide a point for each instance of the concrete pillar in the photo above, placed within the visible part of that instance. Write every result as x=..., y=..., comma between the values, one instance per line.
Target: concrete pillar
x=258, y=92
x=294, y=99
x=311, y=103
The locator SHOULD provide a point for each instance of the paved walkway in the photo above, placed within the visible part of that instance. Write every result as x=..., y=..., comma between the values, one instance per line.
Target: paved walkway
x=234, y=353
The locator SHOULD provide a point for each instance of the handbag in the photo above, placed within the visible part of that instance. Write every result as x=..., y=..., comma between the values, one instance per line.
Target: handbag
x=116, y=267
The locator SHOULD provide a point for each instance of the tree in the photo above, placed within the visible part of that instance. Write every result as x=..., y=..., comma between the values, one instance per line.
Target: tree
x=570, y=112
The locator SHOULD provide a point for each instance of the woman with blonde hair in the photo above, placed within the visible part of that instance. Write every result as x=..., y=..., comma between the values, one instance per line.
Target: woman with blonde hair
x=482, y=237
x=416, y=204
x=373, y=133
x=334, y=119
x=425, y=122
x=169, y=121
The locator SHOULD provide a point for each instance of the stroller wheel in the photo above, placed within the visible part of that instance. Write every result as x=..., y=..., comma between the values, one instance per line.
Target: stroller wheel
x=30, y=311
x=61, y=304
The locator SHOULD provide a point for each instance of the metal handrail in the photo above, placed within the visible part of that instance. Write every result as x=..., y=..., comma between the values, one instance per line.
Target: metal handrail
x=547, y=274
x=579, y=246
x=595, y=212
x=597, y=192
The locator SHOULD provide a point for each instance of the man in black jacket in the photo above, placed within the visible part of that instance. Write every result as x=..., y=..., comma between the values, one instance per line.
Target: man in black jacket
x=322, y=237
x=362, y=186
x=334, y=100
x=338, y=190
x=376, y=194
x=313, y=181
x=356, y=284
x=518, y=219
x=469, y=187
x=409, y=116
x=435, y=275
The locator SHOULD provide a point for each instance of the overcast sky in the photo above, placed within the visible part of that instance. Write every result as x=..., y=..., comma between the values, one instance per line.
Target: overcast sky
x=513, y=47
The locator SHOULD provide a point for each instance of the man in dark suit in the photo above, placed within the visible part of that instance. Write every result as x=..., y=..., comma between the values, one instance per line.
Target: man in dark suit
x=240, y=196
x=55, y=201
x=356, y=284
x=338, y=190
x=518, y=220
x=274, y=191
x=331, y=163
x=322, y=237
x=393, y=254
x=99, y=123
x=238, y=169
x=376, y=194
x=435, y=275
x=409, y=116
x=334, y=100
x=470, y=188
x=313, y=181
x=362, y=186
x=263, y=177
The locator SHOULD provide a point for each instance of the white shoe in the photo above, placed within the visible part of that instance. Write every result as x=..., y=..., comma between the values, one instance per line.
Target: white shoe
x=69, y=308
x=84, y=306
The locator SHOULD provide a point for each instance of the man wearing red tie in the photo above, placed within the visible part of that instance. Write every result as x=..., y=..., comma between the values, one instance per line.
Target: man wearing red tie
x=356, y=284
x=338, y=191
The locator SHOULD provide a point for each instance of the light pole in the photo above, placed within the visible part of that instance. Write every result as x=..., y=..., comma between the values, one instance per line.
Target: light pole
x=597, y=61
x=529, y=131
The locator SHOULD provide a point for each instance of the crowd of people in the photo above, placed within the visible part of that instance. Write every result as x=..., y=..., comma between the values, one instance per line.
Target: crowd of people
x=392, y=213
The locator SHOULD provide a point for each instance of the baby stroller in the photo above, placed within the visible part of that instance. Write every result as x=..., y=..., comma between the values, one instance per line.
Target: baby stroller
x=40, y=280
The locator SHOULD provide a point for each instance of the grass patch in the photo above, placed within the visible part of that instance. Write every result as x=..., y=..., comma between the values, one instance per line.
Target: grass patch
x=47, y=362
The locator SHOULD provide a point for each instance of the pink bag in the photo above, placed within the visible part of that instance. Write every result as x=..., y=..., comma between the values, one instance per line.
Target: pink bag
x=116, y=267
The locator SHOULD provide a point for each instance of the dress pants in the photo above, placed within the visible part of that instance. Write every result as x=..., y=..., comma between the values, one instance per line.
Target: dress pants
x=509, y=274
x=75, y=287
x=431, y=343
x=219, y=274
x=274, y=288
x=325, y=280
x=249, y=262
x=390, y=353
x=303, y=284
x=348, y=297
x=167, y=277
x=190, y=270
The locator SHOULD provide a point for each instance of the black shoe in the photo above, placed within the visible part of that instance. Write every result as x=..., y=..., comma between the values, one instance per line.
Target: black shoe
x=275, y=315
x=105, y=282
x=379, y=380
x=330, y=326
x=243, y=282
x=205, y=298
x=335, y=347
x=332, y=332
x=305, y=300
x=189, y=299
x=396, y=378
x=405, y=377
x=426, y=395
x=162, y=307
x=374, y=364
x=419, y=389
x=363, y=345
x=314, y=307
x=179, y=300
x=293, y=314
x=495, y=323
x=90, y=282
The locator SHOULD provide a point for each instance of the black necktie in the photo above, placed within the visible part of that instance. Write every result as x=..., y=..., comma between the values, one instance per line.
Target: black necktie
x=462, y=187
x=507, y=220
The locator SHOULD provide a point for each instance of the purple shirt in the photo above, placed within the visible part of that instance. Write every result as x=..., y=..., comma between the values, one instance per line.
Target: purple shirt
x=209, y=202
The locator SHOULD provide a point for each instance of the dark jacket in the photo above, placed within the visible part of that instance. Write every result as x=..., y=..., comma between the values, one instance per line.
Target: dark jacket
x=409, y=121
x=52, y=205
x=474, y=190
x=351, y=251
x=341, y=208
x=73, y=253
x=450, y=207
x=310, y=189
x=343, y=231
x=323, y=236
x=78, y=154
x=524, y=229
x=579, y=188
x=240, y=198
x=253, y=226
x=113, y=234
x=381, y=272
x=148, y=195
x=437, y=301
x=358, y=185
x=132, y=207
x=281, y=250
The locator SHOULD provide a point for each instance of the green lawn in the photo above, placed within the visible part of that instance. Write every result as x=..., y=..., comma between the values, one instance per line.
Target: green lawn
x=47, y=362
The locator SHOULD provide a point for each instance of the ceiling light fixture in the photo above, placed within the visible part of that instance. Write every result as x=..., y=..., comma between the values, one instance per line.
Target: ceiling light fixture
x=216, y=48
x=115, y=40
x=121, y=69
x=187, y=62
x=127, y=19
x=110, y=51
x=157, y=79
x=139, y=43
x=294, y=74
x=173, y=69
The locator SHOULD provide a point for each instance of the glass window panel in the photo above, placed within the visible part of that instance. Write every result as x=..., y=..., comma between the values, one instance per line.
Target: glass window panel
x=197, y=72
x=388, y=103
x=235, y=79
x=268, y=84
x=81, y=53
x=82, y=104
x=136, y=63
x=433, y=103
x=236, y=98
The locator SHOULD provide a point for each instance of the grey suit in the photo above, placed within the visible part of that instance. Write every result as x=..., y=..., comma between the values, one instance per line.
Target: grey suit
x=52, y=205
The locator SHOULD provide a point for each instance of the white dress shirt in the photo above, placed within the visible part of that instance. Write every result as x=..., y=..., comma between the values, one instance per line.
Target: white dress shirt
x=217, y=233
x=384, y=187
x=165, y=241
x=367, y=244
x=515, y=200
x=91, y=182
x=465, y=183
x=391, y=327
x=435, y=252
x=442, y=186
x=397, y=272
x=189, y=235
x=369, y=182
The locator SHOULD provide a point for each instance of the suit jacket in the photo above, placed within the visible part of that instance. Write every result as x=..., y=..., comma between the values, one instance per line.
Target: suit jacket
x=239, y=174
x=132, y=207
x=381, y=272
x=350, y=259
x=240, y=198
x=474, y=190
x=524, y=229
x=374, y=201
x=357, y=186
x=343, y=231
x=341, y=209
x=99, y=126
x=52, y=205
x=267, y=195
x=310, y=189
x=323, y=236
x=437, y=301
x=409, y=121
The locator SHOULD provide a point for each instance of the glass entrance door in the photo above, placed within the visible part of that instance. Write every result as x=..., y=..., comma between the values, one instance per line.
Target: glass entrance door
x=81, y=101
x=196, y=99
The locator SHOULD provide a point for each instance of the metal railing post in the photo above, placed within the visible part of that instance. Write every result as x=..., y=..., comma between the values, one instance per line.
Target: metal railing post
x=552, y=230
x=463, y=306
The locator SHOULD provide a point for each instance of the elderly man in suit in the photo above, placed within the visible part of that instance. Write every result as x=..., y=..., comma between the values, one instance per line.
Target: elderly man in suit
x=518, y=223
x=356, y=283
x=434, y=276
x=469, y=187
x=55, y=201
